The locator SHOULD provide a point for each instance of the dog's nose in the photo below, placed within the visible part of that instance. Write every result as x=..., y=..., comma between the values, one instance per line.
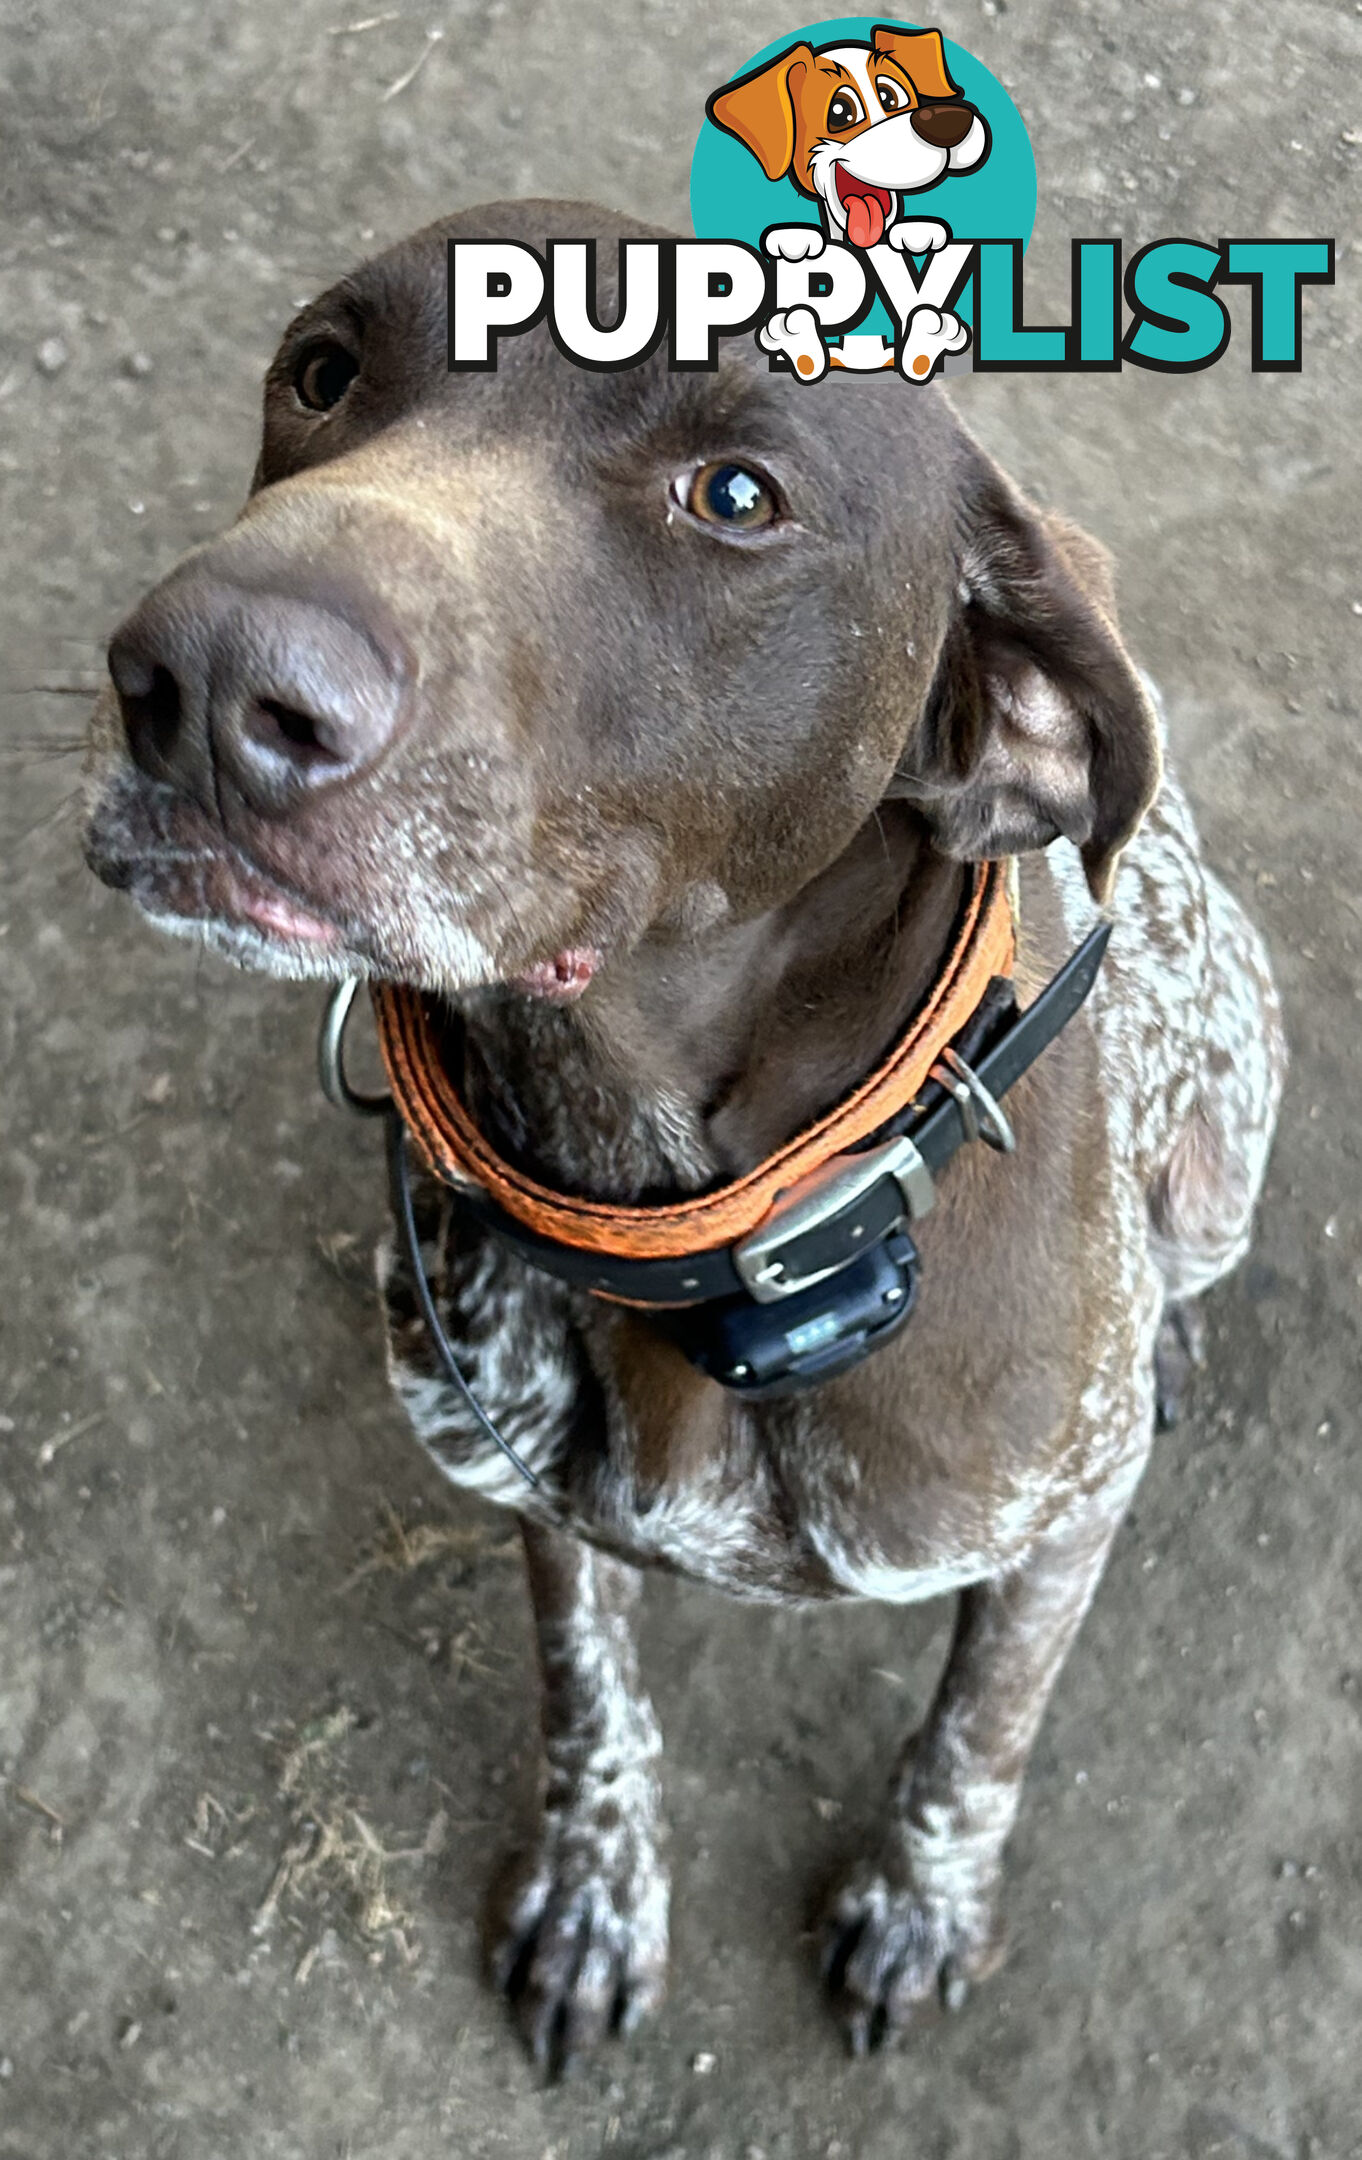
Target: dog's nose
x=943, y=126
x=276, y=694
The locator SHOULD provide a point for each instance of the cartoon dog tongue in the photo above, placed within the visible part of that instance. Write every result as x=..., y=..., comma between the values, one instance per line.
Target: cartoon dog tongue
x=865, y=219
x=867, y=206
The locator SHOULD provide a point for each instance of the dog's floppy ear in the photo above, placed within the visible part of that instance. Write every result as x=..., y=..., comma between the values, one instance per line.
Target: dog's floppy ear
x=921, y=55
x=1037, y=723
x=759, y=109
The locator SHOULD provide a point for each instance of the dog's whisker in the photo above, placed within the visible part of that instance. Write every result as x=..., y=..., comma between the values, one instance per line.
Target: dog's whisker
x=38, y=746
x=51, y=689
x=69, y=805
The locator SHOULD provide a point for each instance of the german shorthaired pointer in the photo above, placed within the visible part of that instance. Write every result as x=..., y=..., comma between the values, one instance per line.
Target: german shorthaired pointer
x=657, y=733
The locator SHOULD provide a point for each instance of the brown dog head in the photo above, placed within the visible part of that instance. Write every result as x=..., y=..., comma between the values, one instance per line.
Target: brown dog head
x=856, y=125
x=496, y=668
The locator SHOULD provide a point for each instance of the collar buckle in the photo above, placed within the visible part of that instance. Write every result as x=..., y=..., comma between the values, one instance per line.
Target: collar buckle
x=832, y=1216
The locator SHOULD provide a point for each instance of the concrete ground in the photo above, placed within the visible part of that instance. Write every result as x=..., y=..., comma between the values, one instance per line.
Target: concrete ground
x=265, y=1696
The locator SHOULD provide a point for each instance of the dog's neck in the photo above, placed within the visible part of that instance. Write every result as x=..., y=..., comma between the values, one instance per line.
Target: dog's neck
x=692, y=1059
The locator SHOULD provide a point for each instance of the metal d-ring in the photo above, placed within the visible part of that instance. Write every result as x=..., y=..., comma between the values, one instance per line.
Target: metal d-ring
x=337, y=1090
x=980, y=1112
x=331, y=1056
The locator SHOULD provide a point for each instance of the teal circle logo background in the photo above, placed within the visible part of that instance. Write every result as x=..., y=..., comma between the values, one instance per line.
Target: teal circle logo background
x=732, y=199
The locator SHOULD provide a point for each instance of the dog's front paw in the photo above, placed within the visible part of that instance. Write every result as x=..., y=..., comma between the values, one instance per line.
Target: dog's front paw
x=889, y=1951
x=794, y=243
x=580, y=1950
x=918, y=236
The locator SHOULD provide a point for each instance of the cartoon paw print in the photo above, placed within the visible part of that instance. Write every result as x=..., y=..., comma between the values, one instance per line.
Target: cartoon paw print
x=795, y=333
x=928, y=337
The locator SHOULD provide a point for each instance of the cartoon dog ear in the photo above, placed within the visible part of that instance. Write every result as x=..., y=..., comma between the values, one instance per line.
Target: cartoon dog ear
x=1037, y=723
x=921, y=55
x=759, y=109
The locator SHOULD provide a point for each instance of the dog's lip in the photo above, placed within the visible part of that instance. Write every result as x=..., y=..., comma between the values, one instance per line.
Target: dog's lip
x=269, y=911
x=245, y=894
x=848, y=185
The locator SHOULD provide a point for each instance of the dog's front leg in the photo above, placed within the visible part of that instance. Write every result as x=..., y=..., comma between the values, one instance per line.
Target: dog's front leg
x=922, y=1921
x=582, y=1947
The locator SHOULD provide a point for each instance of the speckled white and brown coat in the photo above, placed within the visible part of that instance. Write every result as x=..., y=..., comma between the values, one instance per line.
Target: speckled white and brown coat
x=738, y=777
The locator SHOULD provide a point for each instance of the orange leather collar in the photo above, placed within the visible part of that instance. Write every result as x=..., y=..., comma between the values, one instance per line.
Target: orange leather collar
x=433, y=1111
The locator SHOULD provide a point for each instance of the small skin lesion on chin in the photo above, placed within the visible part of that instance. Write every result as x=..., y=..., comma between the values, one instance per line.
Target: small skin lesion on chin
x=563, y=978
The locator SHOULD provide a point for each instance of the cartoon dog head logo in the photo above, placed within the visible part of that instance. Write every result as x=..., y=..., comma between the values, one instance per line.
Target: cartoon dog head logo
x=856, y=126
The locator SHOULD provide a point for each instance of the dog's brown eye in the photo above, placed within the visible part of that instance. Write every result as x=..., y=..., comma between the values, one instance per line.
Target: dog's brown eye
x=891, y=95
x=844, y=111
x=731, y=496
x=323, y=375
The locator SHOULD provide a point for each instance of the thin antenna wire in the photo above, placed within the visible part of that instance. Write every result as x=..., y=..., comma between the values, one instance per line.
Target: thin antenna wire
x=400, y=1167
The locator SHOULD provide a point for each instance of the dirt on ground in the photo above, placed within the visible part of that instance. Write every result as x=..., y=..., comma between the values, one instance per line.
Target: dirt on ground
x=266, y=1700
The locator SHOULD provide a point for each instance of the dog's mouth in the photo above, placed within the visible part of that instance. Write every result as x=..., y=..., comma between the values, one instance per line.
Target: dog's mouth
x=867, y=207
x=254, y=900
x=273, y=913
x=219, y=890
x=202, y=886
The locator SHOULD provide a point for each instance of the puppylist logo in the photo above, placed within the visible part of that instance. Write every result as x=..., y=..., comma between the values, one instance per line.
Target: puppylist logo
x=862, y=196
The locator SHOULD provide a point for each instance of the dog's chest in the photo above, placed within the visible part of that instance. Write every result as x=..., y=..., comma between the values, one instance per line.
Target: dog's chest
x=634, y=1451
x=647, y=1482
x=907, y=1484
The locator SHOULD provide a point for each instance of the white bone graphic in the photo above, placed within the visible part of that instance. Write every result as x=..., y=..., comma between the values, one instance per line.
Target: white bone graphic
x=795, y=333
x=928, y=337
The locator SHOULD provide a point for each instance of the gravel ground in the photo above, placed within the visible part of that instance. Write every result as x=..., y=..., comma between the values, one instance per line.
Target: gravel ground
x=265, y=1694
